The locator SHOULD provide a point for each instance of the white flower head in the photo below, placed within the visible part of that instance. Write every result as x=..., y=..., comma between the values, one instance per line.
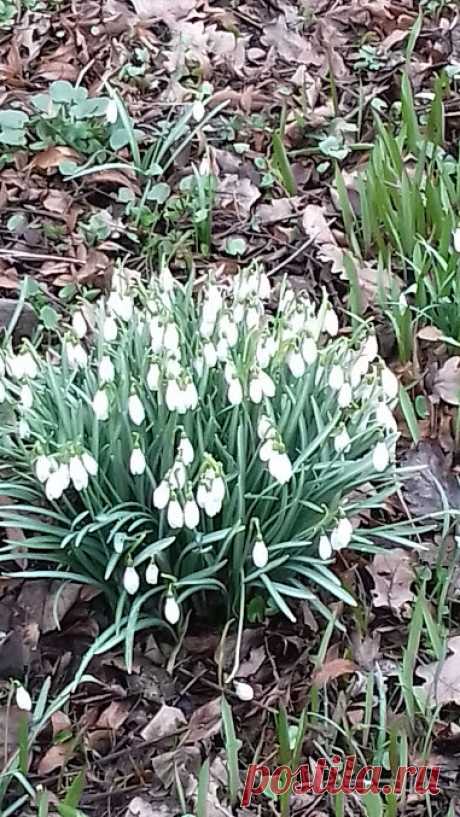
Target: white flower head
x=78, y=474
x=136, y=409
x=324, y=547
x=185, y=451
x=264, y=427
x=380, y=457
x=390, y=384
x=371, y=348
x=90, y=463
x=260, y=553
x=235, y=392
x=342, y=441
x=331, y=323
x=153, y=377
x=341, y=535
x=456, y=238
x=244, y=691
x=280, y=467
x=161, y=495
x=106, y=370
x=152, y=573
x=336, y=378
x=385, y=418
x=121, y=306
x=26, y=397
x=23, y=699
x=137, y=462
x=100, y=404
x=131, y=580
x=171, y=609
x=191, y=514
x=309, y=350
x=345, y=396
x=110, y=329
x=44, y=466
x=79, y=324
x=29, y=365
x=175, y=514
x=296, y=363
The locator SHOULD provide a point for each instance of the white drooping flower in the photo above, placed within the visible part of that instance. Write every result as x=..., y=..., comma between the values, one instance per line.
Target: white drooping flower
x=23, y=429
x=178, y=476
x=358, y=370
x=456, y=238
x=152, y=573
x=79, y=324
x=280, y=467
x=380, y=457
x=198, y=110
x=78, y=474
x=131, y=580
x=210, y=354
x=324, y=547
x=331, y=323
x=137, y=462
x=260, y=553
x=266, y=450
x=191, y=514
x=57, y=482
x=385, y=418
x=171, y=340
x=371, y=348
x=121, y=306
x=336, y=378
x=244, y=691
x=106, y=370
x=90, y=463
x=175, y=514
x=76, y=355
x=296, y=363
x=171, y=609
x=44, y=466
x=345, y=396
x=309, y=350
x=161, y=495
x=153, y=377
x=185, y=451
x=15, y=366
x=266, y=349
x=136, y=409
x=390, y=384
x=342, y=441
x=264, y=427
x=235, y=392
x=110, y=329
x=29, y=366
x=255, y=390
x=341, y=535
x=23, y=699
x=100, y=404
x=228, y=330
x=2, y=392
x=26, y=397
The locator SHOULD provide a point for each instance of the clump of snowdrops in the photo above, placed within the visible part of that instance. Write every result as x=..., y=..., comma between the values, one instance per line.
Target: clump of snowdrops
x=191, y=446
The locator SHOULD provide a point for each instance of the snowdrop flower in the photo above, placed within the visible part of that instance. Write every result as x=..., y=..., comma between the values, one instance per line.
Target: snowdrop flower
x=161, y=495
x=79, y=324
x=390, y=384
x=26, y=397
x=153, y=377
x=336, y=378
x=380, y=457
x=252, y=317
x=171, y=609
x=341, y=535
x=111, y=112
x=210, y=355
x=191, y=396
x=342, y=441
x=171, y=339
x=178, y=476
x=324, y=547
x=280, y=467
x=371, y=348
x=106, y=370
x=191, y=514
x=260, y=553
x=266, y=451
x=23, y=429
x=185, y=451
x=23, y=699
x=57, y=483
x=331, y=323
x=137, y=462
x=264, y=426
x=15, y=366
x=100, y=404
x=90, y=463
x=131, y=580
x=173, y=395
x=235, y=392
x=244, y=691
x=2, y=392
x=44, y=466
x=296, y=363
x=175, y=514
x=266, y=348
x=255, y=390
x=76, y=355
x=345, y=396
x=121, y=306
x=136, y=409
x=110, y=329
x=152, y=573
x=385, y=418
x=309, y=350
x=229, y=330
x=198, y=110
x=78, y=474
x=457, y=240
x=29, y=366
x=264, y=288
x=358, y=370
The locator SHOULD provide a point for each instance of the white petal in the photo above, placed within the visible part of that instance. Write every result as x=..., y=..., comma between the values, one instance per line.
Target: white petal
x=380, y=457
x=243, y=691
x=136, y=410
x=171, y=610
x=324, y=548
x=23, y=699
x=131, y=581
x=260, y=553
x=175, y=514
x=161, y=495
x=152, y=573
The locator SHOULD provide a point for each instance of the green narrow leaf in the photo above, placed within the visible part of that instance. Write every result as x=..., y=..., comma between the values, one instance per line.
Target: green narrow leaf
x=282, y=162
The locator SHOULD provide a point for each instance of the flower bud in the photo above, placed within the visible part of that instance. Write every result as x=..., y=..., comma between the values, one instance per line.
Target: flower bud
x=131, y=581
x=23, y=699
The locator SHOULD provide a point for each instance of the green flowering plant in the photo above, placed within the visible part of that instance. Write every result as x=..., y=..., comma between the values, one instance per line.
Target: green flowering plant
x=184, y=445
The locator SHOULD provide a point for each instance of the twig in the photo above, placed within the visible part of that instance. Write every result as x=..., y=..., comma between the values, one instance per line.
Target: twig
x=38, y=256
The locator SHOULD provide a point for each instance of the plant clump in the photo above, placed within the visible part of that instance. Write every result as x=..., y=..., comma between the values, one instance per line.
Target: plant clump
x=193, y=445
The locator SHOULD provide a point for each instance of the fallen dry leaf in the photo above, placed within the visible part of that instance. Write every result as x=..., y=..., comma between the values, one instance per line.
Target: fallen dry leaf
x=315, y=225
x=205, y=721
x=446, y=384
x=55, y=757
x=393, y=575
x=114, y=716
x=53, y=156
x=442, y=685
x=167, y=722
x=277, y=210
x=333, y=669
x=432, y=481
